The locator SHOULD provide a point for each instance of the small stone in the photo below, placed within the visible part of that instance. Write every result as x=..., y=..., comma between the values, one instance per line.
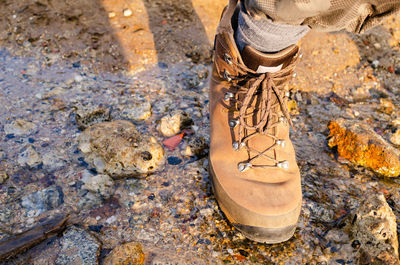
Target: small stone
x=375, y=64
x=127, y=12
x=88, y=115
x=118, y=149
x=29, y=157
x=111, y=14
x=52, y=160
x=89, y=200
x=111, y=219
x=377, y=45
x=196, y=146
x=125, y=254
x=78, y=78
x=395, y=138
x=171, y=124
x=362, y=146
x=19, y=127
x=78, y=247
x=187, y=151
x=3, y=177
x=173, y=160
x=137, y=111
x=100, y=183
x=43, y=200
x=375, y=229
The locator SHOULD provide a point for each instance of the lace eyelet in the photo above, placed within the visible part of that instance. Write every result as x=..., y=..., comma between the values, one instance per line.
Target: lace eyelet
x=281, y=142
x=283, y=164
x=244, y=166
x=227, y=58
x=227, y=76
x=228, y=96
x=235, y=146
x=233, y=123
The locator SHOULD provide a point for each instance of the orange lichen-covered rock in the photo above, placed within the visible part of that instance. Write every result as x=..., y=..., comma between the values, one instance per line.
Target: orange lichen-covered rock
x=125, y=254
x=362, y=146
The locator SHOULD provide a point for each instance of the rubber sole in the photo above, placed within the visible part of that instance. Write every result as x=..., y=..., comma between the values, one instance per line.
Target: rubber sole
x=255, y=233
x=266, y=235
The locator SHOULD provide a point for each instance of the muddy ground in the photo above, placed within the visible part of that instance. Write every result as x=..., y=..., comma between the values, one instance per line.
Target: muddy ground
x=57, y=56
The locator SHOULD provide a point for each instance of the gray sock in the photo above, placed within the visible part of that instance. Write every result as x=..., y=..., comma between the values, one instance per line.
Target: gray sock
x=264, y=35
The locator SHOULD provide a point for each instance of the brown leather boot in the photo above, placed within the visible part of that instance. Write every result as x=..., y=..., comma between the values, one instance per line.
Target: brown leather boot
x=252, y=161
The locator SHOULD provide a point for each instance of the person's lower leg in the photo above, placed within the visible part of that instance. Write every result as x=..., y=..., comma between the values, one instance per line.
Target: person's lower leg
x=264, y=35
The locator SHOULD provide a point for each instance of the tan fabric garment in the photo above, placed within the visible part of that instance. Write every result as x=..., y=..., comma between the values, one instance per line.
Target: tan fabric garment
x=325, y=15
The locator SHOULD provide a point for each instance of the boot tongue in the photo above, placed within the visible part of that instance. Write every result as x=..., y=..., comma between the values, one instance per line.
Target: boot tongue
x=267, y=62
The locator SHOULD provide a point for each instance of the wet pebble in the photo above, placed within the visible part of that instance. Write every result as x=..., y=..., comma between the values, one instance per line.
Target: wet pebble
x=128, y=253
x=174, y=160
x=52, y=160
x=118, y=149
x=138, y=110
x=101, y=183
x=78, y=247
x=43, y=200
x=19, y=127
x=87, y=115
x=196, y=146
x=89, y=200
x=172, y=123
x=29, y=157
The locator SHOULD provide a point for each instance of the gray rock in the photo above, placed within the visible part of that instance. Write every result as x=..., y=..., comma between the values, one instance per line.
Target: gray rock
x=101, y=184
x=19, y=127
x=52, y=160
x=375, y=228
x=43, y=200
x=88, y=115
x=29, y=157
x=89, y=200
x=78, y=247
x=138, y=110
x=118, y=149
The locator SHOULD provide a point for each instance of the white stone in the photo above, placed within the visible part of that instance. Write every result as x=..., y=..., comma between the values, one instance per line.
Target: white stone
x=127, y=12
x=111, y=219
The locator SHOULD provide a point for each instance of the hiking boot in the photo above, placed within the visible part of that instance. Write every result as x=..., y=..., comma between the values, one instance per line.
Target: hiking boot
x=253, y=168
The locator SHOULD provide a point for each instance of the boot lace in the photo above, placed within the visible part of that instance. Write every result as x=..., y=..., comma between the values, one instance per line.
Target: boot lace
x=257, y=100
